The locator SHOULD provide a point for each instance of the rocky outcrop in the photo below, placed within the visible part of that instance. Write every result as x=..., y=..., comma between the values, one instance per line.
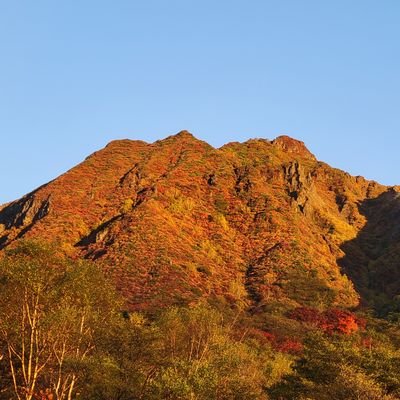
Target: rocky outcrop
x=24, y=212
x=19, y=216
x=299, y=183
x=292, y=146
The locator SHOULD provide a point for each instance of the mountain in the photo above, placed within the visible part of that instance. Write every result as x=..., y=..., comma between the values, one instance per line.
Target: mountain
x=262, y=224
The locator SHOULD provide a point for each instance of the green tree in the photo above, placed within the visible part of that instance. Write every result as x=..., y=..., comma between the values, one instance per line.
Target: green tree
x=343, y=368
x=183, y=353
x=51, y=311
x=201, y=356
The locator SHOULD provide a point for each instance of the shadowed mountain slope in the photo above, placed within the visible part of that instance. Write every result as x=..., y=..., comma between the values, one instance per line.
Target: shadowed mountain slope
x=372, y=258
x=254, y=223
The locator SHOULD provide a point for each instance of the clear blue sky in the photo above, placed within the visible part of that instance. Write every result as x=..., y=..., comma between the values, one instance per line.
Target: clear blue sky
x=76, y=74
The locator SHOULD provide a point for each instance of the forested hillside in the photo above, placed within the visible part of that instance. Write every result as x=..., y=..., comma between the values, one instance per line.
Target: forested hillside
x=174, y=270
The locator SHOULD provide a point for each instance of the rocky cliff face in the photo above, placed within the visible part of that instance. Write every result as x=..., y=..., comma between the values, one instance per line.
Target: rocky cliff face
x=255, y=223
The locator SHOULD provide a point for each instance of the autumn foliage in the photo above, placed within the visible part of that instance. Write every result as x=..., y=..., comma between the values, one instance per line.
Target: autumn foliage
x=237, y=269
x=330, y=321
x=178, y=220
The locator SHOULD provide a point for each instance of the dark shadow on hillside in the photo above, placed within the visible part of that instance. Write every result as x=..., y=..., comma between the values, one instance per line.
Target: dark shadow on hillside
x=372, y=259
x=22, y=214
x=97, y=234
x=13, y=214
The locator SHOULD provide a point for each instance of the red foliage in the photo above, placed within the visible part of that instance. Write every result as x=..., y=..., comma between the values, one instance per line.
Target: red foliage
x=331, y=321
x=308, y=315
x=340, y=321
x=367, y=342
x=284, y=345
x=262, y=336
x=268, y=336
x=290, y=346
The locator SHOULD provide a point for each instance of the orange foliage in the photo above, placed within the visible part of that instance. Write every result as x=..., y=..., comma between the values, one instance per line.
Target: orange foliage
x=177, y=220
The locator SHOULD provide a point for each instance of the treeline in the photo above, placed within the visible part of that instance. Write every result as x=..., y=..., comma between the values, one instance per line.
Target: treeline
x=64, y=335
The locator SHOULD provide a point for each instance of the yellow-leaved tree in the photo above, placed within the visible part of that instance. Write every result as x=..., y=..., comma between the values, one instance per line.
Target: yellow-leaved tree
x=51, y=311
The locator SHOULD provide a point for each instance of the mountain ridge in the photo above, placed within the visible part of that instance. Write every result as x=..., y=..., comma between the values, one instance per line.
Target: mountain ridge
x=260, y=223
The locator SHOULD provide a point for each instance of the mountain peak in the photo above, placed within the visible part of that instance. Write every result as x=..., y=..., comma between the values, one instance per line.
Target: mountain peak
x=184, y=134
x=293, y=146
x=183, y=138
